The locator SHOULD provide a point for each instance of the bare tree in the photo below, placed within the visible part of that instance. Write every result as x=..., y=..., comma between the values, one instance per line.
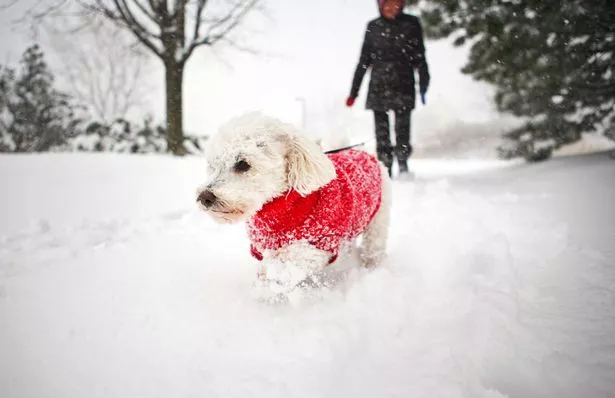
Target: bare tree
x=173, y=30
x=103, y=67
x=170, y=29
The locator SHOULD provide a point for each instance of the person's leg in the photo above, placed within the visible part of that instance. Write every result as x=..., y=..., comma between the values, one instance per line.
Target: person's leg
x=383, y=139
x=403, y=147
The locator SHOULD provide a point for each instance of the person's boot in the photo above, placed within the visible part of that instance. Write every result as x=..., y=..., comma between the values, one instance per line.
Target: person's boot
x=403, y=152
x=386, y=158
x=403, y=165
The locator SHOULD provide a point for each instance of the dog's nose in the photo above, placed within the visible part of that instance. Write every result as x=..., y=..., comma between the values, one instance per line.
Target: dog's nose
x=207, y=198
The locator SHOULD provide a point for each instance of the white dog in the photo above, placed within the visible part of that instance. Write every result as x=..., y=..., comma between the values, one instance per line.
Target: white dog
x=299, y=203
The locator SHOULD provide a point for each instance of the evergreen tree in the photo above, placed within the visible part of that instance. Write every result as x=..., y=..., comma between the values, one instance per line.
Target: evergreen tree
x=33, y=114
x=552, y=63
x=7, y=78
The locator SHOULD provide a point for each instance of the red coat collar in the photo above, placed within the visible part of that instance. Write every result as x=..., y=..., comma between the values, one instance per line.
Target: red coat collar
x=286, y=211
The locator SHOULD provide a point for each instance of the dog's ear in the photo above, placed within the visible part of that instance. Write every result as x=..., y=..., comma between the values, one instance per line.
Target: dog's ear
x=307, y=167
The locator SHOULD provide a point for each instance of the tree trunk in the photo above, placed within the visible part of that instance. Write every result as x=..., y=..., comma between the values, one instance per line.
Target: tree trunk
x=175, y=132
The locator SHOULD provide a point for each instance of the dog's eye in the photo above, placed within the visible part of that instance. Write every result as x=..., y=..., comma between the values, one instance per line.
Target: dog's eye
x=241, y=166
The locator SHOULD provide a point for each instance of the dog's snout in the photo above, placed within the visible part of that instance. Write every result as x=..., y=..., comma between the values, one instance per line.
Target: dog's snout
x=207, y=198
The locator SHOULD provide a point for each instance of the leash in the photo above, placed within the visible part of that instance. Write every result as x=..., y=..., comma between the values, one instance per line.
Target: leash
x=348, y=147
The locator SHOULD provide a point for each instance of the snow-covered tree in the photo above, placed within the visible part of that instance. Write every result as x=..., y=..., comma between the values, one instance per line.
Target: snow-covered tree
x=552, y=63
x=34, y=115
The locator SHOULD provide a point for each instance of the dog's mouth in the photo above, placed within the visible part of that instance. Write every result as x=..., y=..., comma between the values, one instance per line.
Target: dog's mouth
x=228, y=212
x=226, y=216
x=221, y=210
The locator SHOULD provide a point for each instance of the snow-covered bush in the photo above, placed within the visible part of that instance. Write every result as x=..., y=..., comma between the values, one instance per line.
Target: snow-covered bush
x=126, y=137
x=36, y=117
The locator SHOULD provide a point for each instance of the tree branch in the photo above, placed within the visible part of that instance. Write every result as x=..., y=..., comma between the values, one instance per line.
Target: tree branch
x=150, y=14
x=234, y=17
x=239, y=47
x=234, y=22
x=126, y=19
x=197, y=26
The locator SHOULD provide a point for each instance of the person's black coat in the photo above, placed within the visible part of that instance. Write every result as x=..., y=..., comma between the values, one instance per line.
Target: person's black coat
x=393, y=48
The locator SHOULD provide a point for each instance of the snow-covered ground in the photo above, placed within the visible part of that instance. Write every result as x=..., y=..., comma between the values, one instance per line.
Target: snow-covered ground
x=500, y=282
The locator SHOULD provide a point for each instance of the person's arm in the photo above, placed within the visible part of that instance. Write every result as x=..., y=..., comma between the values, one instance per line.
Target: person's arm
x=420, y=62
x=365, y=61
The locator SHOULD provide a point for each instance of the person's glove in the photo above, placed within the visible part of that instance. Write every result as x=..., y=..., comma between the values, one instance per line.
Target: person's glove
x=423, y=85
x=350, y=101
x=423, y=89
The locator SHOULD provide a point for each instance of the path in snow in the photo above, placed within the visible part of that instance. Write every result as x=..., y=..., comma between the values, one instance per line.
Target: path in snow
x=498, y=283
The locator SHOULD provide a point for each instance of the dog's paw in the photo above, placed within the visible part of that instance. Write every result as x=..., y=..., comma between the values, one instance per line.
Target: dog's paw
x=263, y=291
x=371, y=259
x=285, y=285
x=273, y=293
x=368, y=262
x=284, y=276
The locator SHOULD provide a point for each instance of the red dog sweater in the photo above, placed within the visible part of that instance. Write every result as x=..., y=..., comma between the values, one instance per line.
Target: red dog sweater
x=337, y=212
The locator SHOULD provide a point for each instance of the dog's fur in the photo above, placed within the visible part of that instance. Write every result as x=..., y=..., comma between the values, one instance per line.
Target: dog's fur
x=280, y=159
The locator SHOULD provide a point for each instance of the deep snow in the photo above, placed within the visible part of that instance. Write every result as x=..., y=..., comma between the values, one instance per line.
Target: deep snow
x=499, y=282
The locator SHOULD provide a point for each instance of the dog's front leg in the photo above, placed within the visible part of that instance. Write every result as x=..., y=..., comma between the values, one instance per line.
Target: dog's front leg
x=292, y=265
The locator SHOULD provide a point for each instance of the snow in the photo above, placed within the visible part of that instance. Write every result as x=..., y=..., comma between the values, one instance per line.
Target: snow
x=499, y=282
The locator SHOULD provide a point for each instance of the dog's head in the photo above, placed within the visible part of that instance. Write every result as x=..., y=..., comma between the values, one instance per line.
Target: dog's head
x=254, y=158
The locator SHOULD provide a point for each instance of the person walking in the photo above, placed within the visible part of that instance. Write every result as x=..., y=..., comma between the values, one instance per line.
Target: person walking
x=393, y=47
